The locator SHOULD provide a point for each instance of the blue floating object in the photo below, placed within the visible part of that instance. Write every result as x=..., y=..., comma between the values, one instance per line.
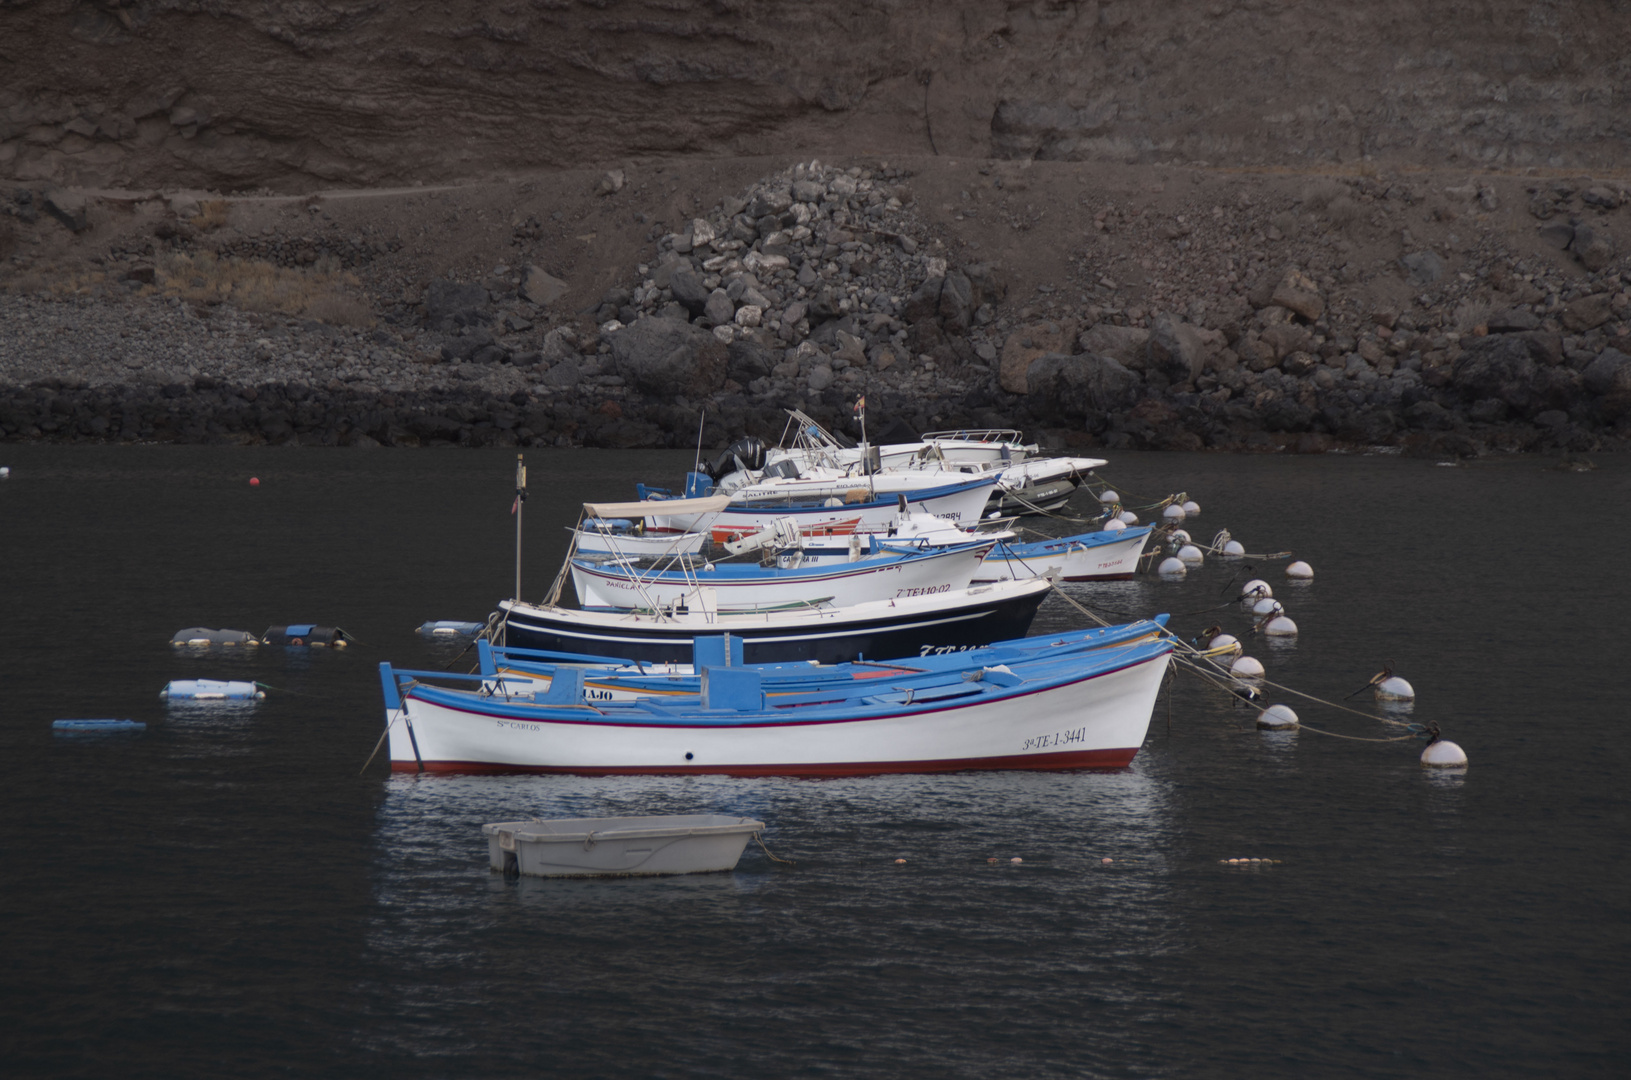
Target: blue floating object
x=210, y=690
x=451, y=628
x=96, y=727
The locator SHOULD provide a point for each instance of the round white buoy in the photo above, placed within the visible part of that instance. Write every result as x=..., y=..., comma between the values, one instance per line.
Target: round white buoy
x=1180, y=536
x=1254, y=588
x=5, y=471
x=1192, y=508
x=1280, y=626
x=1266, y=606
x=1246, y=667
x=1115, y=525
x=1191, y=555
x=1277, y=718
x=1173, y=512
x=1394, y=688
x=1128, y=517
x=1234, y=549
x=1171, y=567
x=1300, y=571
x=1444, y=754
x=1109, y=498
x=1226, y=640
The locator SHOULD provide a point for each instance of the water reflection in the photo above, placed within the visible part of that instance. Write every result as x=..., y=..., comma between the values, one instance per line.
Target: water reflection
x=842, y=933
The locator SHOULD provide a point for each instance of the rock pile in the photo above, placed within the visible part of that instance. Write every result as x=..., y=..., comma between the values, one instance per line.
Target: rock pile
x=814, y=285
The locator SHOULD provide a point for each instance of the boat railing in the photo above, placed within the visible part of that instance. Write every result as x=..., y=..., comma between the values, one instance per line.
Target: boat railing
x=976, y=435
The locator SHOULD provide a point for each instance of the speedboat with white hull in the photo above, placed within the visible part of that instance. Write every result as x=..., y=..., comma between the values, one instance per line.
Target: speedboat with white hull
x=1077, y=710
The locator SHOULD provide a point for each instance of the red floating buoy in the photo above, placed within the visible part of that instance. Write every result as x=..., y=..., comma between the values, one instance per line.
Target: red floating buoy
x=254, y=481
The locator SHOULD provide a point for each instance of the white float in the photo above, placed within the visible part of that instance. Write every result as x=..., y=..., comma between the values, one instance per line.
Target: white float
x=1280, y=626
x=1128, y=517
x=1115, y=525
x=1180, y=536
x=1255, y=587
x=1192, y=508
x=1266, y=606
x=1246, y=667
x=1277, y=718
x=1444, y=754
x=1173, y=512
x=1300, y=571
x=1109, y=498
x=1190, y=555
x=1226, y=641
x=1234, y=549
x=1394, y=688
x=1171, y=567
x=5, y=471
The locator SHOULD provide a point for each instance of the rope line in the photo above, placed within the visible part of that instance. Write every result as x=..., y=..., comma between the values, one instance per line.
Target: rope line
x=758, y=838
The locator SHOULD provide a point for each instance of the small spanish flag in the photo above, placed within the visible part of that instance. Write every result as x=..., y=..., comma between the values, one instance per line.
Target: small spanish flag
x=860, y=404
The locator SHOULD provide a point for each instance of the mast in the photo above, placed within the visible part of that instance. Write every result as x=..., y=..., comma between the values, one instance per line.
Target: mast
x=520, y=499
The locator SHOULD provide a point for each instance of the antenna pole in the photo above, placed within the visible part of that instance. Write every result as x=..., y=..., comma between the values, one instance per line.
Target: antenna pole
x=701, y=419
x=520, y=501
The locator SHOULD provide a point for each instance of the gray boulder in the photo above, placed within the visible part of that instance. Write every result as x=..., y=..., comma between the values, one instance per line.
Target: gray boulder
x=1422, y=267
x=538, y=287
x=1178, y=350
x=1064, y=387
x=748, y=360
x=719, y=309
x=668, y=359
x=1609, y=378
x=688, y=289
x=446, y=299
x=70, y=208
x=1123, y=344
x=1500, y=366
x=1593, y=247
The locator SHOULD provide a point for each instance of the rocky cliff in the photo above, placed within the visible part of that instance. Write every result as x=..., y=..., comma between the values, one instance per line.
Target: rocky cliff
x=299, y=94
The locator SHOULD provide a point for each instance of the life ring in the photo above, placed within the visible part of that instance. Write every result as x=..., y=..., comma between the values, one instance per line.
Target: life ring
x=296, y=641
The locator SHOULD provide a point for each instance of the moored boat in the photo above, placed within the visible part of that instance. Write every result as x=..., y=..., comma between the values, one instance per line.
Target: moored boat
x=616, y=584
x=908, y=626
x=1083, y=709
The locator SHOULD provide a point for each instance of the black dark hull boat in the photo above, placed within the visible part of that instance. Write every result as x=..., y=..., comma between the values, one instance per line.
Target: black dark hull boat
x=881, y=629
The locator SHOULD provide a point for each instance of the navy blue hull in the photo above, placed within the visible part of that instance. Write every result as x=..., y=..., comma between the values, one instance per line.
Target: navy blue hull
x=872, y=639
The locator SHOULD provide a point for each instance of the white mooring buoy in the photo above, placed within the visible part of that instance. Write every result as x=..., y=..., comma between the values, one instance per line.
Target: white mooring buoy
x=1180, y=536
x=1266, y=606
x=1226, y=641
x=1443, y=754
x=1280, y=626
x=1234, y=549
x=1394, y=688
x=1300, y=571
x=1173, y=512
x=1109, y=498
x=1190, y=555
x=1172, y=567
x=1246, y=667
x=1192, y=508
x=1128, y=517
x=1115, y=525
x=1254, y=588
x=1277, y=718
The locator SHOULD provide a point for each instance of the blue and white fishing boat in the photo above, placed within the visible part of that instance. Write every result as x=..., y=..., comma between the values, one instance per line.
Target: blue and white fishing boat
x=618, y=584
x=1069, y=709
x=524, y=674
x=1093, y=556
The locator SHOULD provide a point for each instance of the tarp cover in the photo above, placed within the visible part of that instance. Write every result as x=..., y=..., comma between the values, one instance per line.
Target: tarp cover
x=657, y=507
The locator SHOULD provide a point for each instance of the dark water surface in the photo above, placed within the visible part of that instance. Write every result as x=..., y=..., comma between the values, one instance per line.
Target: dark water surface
x=224, y=895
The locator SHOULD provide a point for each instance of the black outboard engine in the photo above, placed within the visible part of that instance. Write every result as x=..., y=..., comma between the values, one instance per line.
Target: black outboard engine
x=745, y=453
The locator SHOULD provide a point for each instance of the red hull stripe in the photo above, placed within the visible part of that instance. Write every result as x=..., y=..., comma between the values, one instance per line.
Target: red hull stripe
x=1068, y=759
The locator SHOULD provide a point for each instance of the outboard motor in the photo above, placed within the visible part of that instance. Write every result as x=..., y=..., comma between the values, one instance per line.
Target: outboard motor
x=745, y=453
